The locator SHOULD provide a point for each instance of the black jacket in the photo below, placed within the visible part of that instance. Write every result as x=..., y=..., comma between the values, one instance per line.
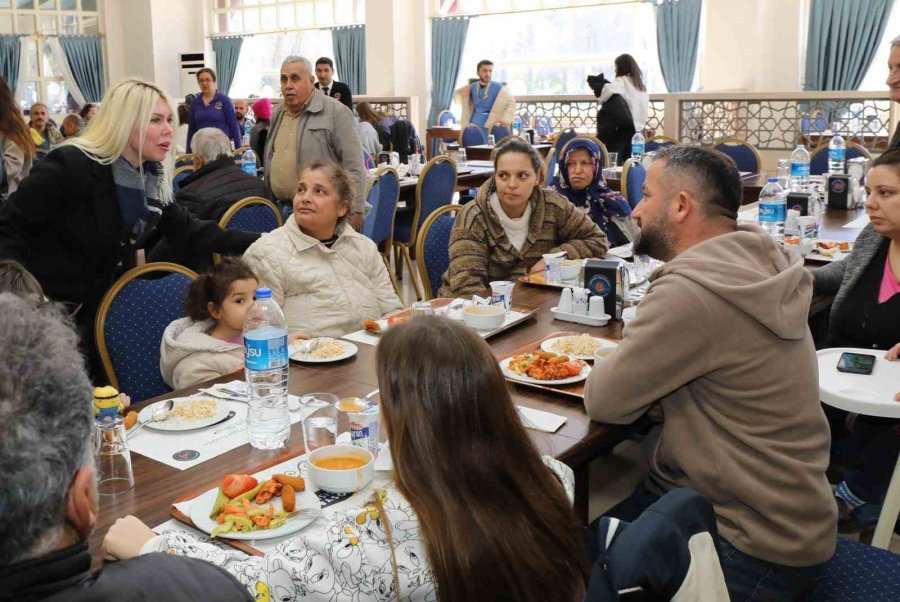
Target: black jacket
x=210, y=191
x=340, y=92
x=65, y=576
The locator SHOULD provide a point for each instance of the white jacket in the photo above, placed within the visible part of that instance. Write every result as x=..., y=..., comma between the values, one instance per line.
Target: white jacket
x=502, y=111
x=638, y=102
x=189, y=356
x=322, y=291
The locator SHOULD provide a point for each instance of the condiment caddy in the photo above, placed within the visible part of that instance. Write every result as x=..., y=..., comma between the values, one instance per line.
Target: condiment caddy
x=577, y=305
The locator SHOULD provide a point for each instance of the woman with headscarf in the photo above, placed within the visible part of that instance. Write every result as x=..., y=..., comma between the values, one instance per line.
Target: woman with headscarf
x=580, y=179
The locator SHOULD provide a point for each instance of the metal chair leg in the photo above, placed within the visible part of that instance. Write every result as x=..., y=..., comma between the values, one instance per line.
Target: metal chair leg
x=412, y=273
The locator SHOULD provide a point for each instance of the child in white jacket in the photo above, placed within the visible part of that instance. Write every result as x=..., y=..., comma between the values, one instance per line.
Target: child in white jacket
x=209, y=342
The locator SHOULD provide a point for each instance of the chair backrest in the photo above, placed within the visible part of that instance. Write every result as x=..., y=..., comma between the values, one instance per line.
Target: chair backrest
x=657, y=142
x=388, y=195
x=551, y=167
x=182, y=160
x=543, y=126
x=446, y=116
x=435, y=188
x=373, y=194
x=472, y=135
x=40, y=154
x=433, y=248
x=500, y=131
x=131, y=320
x=745, y=155
x=563, y=140
x=633, y=176
x=818, y=160
x=858, y=572
x=368, y=159
x=252, y=214
x=181, y=173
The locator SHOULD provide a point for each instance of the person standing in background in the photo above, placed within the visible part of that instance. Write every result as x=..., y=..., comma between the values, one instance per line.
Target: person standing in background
x=212, y=109
x=262, y=109
x=484, y=102
x=629, y=84
x=16, y=144
x=184, y=119
x=240, y=113
x=337, y=90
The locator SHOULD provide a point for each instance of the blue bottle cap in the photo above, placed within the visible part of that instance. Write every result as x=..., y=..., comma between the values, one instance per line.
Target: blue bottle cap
x=263, y=293
x=773, y=180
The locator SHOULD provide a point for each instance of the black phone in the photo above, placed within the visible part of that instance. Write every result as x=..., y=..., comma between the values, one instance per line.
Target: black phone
x=856, y=363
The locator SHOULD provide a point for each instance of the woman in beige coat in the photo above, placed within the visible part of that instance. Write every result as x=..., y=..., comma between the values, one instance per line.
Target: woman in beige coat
x=327, y=278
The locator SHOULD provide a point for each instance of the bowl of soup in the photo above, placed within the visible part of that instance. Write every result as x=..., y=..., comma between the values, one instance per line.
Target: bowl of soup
x=484, y=317
x=341, y=468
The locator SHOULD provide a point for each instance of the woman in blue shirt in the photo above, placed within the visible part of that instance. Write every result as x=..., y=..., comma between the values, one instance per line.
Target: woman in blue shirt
x=212, y=109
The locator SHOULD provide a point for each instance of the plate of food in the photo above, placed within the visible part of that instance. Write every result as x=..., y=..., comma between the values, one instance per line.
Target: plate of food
x=187, y=414
x=544, y=368
x=321, y=350
x=830, y=248
x=379, y=326
x=243, y=507
x=580, y=347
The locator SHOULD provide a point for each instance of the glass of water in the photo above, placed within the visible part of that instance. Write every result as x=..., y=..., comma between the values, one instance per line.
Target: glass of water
x=112, y=458
x=319, y=420
x=461, y=157
x=613, y=159
x=491, y=140
x=422, y=308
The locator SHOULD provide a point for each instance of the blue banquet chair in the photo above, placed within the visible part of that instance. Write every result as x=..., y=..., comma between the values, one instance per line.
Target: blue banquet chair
x=433, y=248
x=744, y=154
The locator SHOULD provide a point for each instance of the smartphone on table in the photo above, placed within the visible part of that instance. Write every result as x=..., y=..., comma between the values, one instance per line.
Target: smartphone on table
x=856, y=363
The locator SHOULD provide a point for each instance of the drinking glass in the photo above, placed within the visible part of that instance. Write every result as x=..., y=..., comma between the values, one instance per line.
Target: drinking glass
x=491, y=140
x=613, y=159
x=112, y=458
x=422, y=308
x=319, y=420
x=461, y=157
x=783, y=173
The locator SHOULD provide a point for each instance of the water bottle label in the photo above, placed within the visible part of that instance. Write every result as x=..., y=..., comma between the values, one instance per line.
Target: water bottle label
x=266, y=354
x=837, y=154
x=249, y=168
x=771, y=212
x=637, y=149
x=799, y=170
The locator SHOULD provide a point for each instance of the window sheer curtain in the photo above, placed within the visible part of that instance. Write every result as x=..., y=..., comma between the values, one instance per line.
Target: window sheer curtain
x=349, y=47
x=677, y=36
x=448, y=39
x=842, y=39
x=227, y=50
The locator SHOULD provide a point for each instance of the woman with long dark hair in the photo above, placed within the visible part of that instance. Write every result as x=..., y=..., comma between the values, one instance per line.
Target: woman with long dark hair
x=473, y=511
x=629, y=85
x=15, y=143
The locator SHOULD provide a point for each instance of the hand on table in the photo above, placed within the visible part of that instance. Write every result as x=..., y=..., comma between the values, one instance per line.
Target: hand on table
x=125, y=538
x=540, y=266
x=355, y=220
x=893, y=353
x=297, y=336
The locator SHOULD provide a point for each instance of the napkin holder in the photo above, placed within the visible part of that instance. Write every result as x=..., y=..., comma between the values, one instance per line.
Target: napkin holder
x=798, y=201
x=838, y=192
x=605, y=278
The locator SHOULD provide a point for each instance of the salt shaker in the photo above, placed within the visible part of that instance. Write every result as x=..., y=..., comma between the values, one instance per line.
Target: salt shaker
x=565, y=301
x=580, y=302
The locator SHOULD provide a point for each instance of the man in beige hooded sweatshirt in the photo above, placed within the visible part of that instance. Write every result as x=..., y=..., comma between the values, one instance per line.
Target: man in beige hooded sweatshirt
x=720, y=343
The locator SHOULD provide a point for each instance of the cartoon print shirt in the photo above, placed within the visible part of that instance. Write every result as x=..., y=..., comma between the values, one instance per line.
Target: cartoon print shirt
x=346, y=557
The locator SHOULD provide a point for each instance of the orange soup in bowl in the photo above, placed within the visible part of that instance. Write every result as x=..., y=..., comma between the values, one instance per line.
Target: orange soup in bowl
x=340, y=463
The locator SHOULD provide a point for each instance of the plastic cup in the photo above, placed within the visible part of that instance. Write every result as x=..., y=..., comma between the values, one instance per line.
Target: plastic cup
x=421, y=308
x=319, y=420
x=112, y=460
x=501, y=293
x=363, y=420
x=554, y=267
x=613, y=159
x=461, y=157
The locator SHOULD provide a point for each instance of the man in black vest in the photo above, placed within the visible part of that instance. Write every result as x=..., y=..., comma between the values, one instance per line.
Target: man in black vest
x=336, y=90
x=893, y=82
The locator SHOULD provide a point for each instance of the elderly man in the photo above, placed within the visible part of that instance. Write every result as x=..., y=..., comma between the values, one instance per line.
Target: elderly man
x=72, y=125
x=484, y=102
x=309, y=125
x=337, y=90
x=49, y=500
x=240, y=112
x=217, y=183
x=44, y=133
x=893, y=83
x=721, y=345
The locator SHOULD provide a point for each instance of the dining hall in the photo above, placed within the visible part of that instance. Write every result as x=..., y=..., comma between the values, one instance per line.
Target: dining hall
x=450, y=300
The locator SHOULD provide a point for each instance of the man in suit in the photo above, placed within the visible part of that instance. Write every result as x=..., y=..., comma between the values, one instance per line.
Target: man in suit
x=893, y=82
x=329, y=87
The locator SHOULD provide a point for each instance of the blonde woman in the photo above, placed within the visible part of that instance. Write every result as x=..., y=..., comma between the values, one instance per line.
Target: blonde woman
x=78, y=220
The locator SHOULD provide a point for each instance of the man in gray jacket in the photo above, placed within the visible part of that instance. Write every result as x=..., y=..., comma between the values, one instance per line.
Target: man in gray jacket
x=309, y=125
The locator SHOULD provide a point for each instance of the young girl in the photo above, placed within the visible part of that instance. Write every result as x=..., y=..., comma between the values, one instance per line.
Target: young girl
x=209, y=342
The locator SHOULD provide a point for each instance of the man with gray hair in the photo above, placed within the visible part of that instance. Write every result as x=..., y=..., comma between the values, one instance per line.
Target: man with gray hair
x=217, y=182
x=720, y=343
x=309, y=125
x=893, y=83
x=49, y=500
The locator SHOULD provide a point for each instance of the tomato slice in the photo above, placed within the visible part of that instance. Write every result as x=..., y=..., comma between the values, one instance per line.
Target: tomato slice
x=234, y=485
x=574, y=367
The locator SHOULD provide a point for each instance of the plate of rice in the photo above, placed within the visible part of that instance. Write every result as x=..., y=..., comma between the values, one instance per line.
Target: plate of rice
x=581, y=346
x=322, y=350
x=188, y=413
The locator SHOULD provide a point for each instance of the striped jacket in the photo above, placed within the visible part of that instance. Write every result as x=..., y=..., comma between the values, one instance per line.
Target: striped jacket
x=481, y=252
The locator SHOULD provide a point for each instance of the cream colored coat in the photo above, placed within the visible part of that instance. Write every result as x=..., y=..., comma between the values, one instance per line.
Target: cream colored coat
x=502, y=111
x=322, y=291
x=189, y=356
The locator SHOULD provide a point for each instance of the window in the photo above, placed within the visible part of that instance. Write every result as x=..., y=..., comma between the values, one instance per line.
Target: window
x=553, y=52
x=261, y=16
x=42, y=80
x=259, y=65
x=450, y=8
x=877, y=73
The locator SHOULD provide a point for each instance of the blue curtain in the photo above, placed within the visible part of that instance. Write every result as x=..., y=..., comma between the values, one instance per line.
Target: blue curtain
x=10, y=51
x=85, y=57
x=677, y=33
x=349, y=46
x=448, y=39
x=227, y=52
x=843, y=37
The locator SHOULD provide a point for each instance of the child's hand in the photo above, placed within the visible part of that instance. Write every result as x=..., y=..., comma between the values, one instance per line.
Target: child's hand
x=893, y=353
x=297, y=336
x=124, y=400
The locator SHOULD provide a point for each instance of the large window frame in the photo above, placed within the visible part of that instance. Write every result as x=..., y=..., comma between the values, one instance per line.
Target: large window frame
x=231, y=17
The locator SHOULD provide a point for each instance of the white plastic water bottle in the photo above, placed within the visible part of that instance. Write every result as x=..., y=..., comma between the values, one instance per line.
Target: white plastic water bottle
x=800, y=168
x=245, y=139
x=517, y=125
x=248, y=162
x=266, y=370
x=772, y=208
x=637, y=146
x=837, y=152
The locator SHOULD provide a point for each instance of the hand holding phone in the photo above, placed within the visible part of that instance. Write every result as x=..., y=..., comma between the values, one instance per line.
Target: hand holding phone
x=856, y=363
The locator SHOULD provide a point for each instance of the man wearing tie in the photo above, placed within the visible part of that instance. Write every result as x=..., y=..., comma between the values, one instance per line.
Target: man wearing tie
x=329, y=87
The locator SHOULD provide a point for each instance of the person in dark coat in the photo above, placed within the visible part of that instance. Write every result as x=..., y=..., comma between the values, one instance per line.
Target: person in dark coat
x=50, y=484
x=337, y=90
x=78, y=220
x=217, y=182
x=615, y=125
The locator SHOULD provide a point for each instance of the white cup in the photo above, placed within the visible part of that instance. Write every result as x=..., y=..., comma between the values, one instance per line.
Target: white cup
x=808, y=224
x=596, y=308
x=553, y=263
x=501, y=293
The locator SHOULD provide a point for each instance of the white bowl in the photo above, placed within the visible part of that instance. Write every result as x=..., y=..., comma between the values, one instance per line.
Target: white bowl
x=341, y=481
x=484, y=317
x=570, y=269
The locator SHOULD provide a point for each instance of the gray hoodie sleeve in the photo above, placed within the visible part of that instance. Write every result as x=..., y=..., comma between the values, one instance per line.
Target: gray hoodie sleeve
x=827, y=280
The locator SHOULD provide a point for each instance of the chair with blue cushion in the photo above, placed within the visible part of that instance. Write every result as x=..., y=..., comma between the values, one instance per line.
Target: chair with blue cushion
x=433, y=248
x=744, y=154
x=435, y=188
x=384, y=213
x=131, y=320
x=182, y=160
x=657, y=142
x=552, y=167
x=542, y=126
x=633, y=176
x=818, y=160
x=368, y=160
x=472, y=135
x=40, y=154
x=180, y=175
x=499, y=132
x=858, y=572
x=563, y=139
x=250, y=214
x=373, y=192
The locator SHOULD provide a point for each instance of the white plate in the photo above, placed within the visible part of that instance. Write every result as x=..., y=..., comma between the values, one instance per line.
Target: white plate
x=349, y=351
x=201, y=506
x=176, y=424
x=549, y=343
x=504, y=367
x=869, y=394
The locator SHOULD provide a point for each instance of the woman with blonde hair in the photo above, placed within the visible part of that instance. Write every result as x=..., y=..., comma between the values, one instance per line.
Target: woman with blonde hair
x=16, y=144
x=77, y=222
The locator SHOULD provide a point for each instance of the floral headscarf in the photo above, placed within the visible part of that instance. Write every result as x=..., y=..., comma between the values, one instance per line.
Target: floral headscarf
x=602, y=202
